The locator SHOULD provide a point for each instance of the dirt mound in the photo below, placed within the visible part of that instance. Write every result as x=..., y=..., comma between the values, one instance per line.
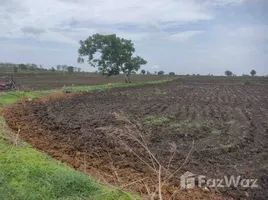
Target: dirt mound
x=123, y=135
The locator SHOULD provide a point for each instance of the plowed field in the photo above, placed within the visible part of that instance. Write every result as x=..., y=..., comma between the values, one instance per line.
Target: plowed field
x=56, y=80
x=122, y=135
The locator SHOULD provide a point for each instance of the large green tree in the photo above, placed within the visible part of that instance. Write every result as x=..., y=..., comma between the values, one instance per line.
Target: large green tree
x=110, y=54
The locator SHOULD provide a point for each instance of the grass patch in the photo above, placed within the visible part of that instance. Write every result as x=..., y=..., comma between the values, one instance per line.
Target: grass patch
x=12, y=97
x=187, y=124
x=108, y=86
x=28, y=174
x=155, y=121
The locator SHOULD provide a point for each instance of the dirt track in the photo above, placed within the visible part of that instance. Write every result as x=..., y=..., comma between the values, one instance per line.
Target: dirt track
x=93, y=132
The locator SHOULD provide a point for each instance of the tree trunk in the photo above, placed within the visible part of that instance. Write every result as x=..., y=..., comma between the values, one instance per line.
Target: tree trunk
x=127, y=78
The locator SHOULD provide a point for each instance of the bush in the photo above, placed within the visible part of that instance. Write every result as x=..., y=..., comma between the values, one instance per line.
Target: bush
x=67, y=90
x=248, y=82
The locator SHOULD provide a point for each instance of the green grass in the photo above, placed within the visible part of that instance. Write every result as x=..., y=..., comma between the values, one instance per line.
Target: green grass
x=215, y=132
x=28, y=174
x=107, y=86
x=154, y=121
x=13, y=97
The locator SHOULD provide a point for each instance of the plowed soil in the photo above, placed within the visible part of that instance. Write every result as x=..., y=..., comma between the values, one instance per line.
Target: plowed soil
x=120, y=135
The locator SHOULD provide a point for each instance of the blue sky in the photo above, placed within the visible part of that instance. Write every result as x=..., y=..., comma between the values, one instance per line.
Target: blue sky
x=184, y=36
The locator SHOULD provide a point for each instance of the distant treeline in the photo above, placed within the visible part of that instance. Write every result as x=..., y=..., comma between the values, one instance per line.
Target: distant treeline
x=11, y=67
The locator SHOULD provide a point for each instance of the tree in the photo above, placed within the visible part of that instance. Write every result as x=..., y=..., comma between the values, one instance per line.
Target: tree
x=228, y=73
x=70, y=69
x=15, y=69
x=59, y=68
x=161, y=73
x=143, y=72
x=33, y=67
x=22, y=67
x=114, y=55
x=148, y=73
x=64, y=67
x=253, y=72
x=79, y=69
x=172, y=74
x=53, y=69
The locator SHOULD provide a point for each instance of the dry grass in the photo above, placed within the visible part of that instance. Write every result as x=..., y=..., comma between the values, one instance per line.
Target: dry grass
x=131, y=134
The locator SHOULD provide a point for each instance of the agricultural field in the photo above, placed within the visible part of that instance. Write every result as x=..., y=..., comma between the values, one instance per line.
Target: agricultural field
x=56, y=80
x=142, y=139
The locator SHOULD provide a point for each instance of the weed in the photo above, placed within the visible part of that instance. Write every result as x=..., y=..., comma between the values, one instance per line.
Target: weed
x=67, y=90
x=187, y=124
x=154, y=121
x=215, y=132
x=158, y=91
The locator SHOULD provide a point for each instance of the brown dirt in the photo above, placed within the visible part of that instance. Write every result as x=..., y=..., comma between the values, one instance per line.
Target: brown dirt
x=93, y=132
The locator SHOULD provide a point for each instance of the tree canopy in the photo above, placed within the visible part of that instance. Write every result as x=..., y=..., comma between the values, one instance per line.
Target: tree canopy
x=110, y=54
x=253, y=72
x=228, y=73
x=70, y=69
x=161, y=73
x=143, y=72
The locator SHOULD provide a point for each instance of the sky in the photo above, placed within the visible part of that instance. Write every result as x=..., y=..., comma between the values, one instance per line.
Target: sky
x=181, y=36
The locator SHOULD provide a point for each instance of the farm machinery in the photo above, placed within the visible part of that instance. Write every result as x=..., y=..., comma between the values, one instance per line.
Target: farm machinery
x=8, y=85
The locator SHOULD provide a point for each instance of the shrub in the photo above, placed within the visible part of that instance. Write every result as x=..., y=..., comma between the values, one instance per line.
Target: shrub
x=248, y=82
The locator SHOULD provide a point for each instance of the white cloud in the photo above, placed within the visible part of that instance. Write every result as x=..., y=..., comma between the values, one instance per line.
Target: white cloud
x=223, y=2
x=49, y=14
x=163, y=31
x=254, y=32
x=32, y=30
x=155, y=67
x=183, y=36
x=17, y=16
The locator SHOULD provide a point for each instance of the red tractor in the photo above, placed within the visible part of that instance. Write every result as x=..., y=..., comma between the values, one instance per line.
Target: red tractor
x=8, y=85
